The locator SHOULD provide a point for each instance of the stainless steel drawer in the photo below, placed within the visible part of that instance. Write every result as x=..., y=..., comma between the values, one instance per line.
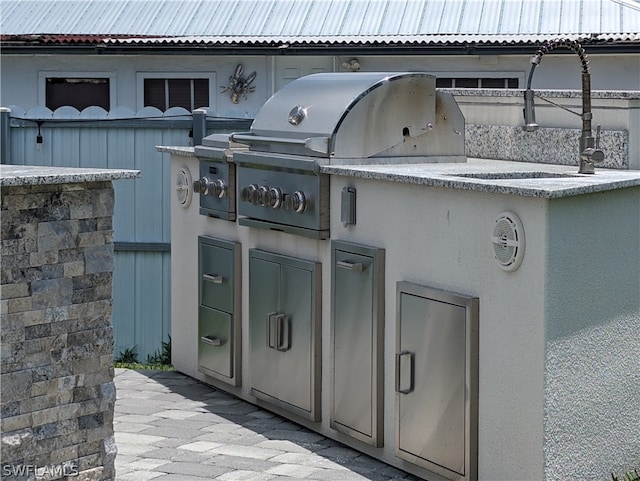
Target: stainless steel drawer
x=216, y=274
x=357, y=341
x=219, y=312
x=437, y=380
x=215, y=343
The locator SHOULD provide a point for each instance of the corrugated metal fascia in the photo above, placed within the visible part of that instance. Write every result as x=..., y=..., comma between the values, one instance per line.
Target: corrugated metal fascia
x=331, y=40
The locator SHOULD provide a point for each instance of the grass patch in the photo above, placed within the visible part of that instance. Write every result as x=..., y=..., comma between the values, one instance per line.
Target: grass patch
x=138, y=366
x=159, y=361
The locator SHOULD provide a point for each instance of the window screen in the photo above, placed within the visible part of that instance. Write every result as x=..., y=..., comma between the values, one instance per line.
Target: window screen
x=178, y=92
x=77, y=92
x=477, y=82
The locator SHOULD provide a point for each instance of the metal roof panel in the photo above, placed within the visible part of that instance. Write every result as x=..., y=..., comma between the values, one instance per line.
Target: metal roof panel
x=411, y=17
x=511, y=17
x=373, y=17
x=337, y=19
x=571, y=18
x=450, y=17
x=491, y=17
x=332, y=24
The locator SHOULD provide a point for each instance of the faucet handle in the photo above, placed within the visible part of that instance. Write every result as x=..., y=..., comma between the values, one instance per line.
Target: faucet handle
x=592, y=155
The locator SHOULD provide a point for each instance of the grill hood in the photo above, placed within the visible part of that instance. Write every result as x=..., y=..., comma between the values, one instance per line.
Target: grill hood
x=359, y=116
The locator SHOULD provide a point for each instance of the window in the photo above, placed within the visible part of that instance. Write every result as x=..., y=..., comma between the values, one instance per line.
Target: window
x=77, y=92
x=164, y=93
x=477, y=83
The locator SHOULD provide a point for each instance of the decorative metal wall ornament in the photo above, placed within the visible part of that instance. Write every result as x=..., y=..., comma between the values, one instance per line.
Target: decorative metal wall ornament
x=239, y=85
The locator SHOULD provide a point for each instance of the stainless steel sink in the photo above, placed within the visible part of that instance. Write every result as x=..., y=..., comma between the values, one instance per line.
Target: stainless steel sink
x=515, y=175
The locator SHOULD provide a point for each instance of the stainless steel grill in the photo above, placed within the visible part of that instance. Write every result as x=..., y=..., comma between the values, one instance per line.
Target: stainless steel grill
x=338, y=118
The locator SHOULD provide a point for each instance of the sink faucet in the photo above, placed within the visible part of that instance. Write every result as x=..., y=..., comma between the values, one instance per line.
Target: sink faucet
x=590, y=152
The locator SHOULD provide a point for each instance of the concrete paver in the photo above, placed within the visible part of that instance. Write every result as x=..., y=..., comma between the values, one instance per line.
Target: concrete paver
x=171, y=427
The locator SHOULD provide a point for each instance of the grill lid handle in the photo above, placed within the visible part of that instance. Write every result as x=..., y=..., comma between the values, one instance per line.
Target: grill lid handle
x=315, y=144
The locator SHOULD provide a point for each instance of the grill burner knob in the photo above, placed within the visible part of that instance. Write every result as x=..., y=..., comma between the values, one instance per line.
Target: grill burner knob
x=250, y=194
x=264, y=196
x=296, y=202
x=275, y=200
x=219, y=188
x=206, y=186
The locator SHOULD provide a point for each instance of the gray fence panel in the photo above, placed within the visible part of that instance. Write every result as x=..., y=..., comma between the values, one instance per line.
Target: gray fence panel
x=142, y=226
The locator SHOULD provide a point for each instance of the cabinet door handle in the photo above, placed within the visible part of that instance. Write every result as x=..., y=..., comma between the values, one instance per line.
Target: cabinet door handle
x=352, y=266
x=404, y=372
x=272, y=331
x=211, y=340
x=213, y=278
x=282, y=333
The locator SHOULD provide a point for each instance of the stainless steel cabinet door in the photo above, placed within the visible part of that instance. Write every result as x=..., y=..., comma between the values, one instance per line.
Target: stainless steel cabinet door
x=436, y=380
x=357, y=323
x=284, y=323
x=264, y=299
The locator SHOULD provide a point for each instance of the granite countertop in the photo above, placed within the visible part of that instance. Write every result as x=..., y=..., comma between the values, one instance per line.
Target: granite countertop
x=176, y=150
x=565, y=93
x=496, y=176
x=526, y=179
x=14, y=175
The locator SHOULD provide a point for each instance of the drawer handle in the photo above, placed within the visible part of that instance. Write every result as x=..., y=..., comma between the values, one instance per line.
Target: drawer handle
x=212, y=341
x=404, y=372
x=213, y=278
x=352, y=266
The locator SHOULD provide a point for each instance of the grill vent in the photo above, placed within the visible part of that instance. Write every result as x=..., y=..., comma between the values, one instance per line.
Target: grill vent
x=508, y=241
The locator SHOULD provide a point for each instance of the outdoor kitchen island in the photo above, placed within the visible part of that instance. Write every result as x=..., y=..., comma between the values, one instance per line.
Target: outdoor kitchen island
x=457, y=318
x=554, y=381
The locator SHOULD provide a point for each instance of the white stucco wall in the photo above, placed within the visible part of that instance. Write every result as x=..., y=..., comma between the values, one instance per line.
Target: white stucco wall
x=592, y=369
x=435, y=237
x=21, y=83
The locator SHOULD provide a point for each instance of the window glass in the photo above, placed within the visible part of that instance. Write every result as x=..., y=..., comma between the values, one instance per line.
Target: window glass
x=77, y=92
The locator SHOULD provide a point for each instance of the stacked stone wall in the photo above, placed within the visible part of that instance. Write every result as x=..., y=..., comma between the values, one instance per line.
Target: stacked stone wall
x=56, y=342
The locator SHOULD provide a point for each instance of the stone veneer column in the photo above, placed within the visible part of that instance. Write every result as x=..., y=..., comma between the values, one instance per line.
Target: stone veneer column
x=56, y=350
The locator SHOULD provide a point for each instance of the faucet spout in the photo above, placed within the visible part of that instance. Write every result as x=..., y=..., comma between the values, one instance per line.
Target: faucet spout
x=589, y=152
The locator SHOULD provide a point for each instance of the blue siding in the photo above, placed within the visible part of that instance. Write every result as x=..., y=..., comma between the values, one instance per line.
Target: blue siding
x=141, y=288
x=141, y=278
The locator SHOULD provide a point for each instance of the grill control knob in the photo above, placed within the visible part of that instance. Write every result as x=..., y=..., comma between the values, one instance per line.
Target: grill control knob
x=206, y=186
x=218, y=188
x=296, y=202
x=264, y=196
x=275, y=194
x=250, y=194
x=200, y=185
